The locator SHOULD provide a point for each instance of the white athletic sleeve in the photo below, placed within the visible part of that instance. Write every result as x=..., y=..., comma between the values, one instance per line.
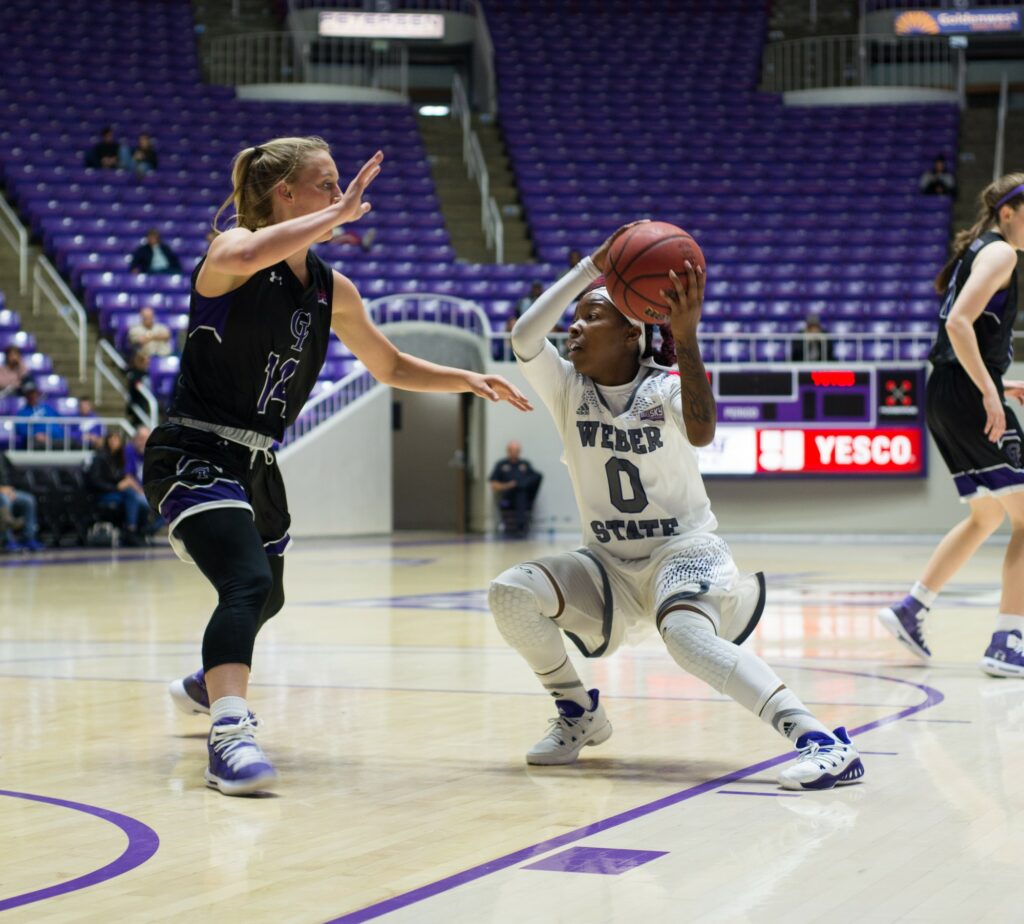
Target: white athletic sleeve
x=544, y=369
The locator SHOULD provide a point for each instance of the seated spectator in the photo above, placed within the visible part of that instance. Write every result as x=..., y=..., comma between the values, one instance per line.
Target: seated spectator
x=149, y=337
x=134, y=451
x=17, y=510
x=41, y=436
x=536, y=291
x=109, y=483
x=938, y=181
x=86, y=435
x=106, y=153
x=813, y=346
x=154, y=256
x=516, y=483
x=13, y=371
x=144, y=157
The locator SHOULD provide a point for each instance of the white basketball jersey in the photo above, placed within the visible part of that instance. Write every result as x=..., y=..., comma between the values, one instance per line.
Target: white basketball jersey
x=635, y=474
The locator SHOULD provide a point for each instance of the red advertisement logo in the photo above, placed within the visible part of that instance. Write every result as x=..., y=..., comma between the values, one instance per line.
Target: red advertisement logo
x=892, y=451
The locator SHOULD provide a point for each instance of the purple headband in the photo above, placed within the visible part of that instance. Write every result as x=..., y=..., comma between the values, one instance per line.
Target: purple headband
x=1013, y=192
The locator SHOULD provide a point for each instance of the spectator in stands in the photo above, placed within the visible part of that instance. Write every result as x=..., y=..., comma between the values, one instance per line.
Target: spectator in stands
x=149, y=337
x=13, y=371
x=813, y=346
x=17, y=510
x=144, y=157
x=574, y=257
x=39, y=435
x=515, y=483
x=363, y=241
x=106, y=153
x=109, y=483
x=154, y=256
x=86, y=435
x=137, y=378
x=536, y=291
x=134, y=451
x=938, y=181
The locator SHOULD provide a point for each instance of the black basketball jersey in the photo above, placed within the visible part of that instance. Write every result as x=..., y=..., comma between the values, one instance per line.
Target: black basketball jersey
x=253, y=355
x=993, y=327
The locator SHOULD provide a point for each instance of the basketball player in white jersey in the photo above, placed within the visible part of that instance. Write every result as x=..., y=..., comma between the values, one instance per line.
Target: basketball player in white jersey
x=650, y=555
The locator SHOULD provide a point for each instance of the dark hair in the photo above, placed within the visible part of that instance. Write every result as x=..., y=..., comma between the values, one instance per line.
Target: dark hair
x=116, y=457
x=986, y=215
x=665, y=354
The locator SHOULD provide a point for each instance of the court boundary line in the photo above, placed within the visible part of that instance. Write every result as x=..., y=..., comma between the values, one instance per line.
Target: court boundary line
x=143, y=842
x=446, y=884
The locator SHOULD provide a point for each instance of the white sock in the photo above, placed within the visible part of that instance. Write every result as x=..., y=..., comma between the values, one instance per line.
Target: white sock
x=787, y=714
x=234, y=707
x=564, y=683
x=923, y=595
x=1006, y=622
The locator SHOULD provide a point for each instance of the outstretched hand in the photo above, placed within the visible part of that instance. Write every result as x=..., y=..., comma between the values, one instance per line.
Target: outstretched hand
x=685, y=301
x=496, y=388
x=1014, y=389
x=351, y=206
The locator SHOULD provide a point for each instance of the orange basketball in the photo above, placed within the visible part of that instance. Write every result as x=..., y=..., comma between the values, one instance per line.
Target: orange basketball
x=638, y=265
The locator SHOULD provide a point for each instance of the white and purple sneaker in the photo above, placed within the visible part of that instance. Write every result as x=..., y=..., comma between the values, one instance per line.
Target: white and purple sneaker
x=1004, y=656
x=904, y=620
x=825, y=761
x=238, y=765
x=570, y=732
x=189, y=694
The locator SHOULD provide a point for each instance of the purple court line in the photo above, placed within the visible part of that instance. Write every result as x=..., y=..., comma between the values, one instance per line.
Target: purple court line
x=82, y=559
x=945, y=721
x=361, y=689
x=770, y=795
x=143, y=842
x=932, y=698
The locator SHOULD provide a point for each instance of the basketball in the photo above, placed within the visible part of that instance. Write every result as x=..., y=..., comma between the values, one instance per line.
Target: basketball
x=638, y=266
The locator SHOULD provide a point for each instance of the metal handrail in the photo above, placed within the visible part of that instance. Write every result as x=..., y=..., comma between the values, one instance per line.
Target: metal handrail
x=1000, y=144
x=430, y=307
x=307, y=57
x=103, y=372
x=14, y=233
x=483, y=62
x=476, y=169
x=48, y=287
x=13, y=427
x=328, y=403
x=825, y=62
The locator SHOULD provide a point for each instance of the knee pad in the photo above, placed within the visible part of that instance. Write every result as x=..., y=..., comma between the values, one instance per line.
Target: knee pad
x=518, y=603
x=690, y=639
x=532, y=579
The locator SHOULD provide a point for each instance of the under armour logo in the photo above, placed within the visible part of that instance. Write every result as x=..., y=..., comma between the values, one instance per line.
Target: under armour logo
x=274, y=277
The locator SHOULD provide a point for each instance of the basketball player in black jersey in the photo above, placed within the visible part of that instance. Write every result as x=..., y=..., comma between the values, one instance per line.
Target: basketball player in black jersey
x=977, y=432
x=262, y=309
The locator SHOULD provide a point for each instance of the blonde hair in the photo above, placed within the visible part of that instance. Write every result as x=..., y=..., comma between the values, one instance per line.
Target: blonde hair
x=255, y=173
x=987, y=215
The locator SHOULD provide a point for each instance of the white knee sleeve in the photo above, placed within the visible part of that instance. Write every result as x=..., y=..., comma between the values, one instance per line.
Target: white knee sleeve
x=739, y=674
x=523, y=602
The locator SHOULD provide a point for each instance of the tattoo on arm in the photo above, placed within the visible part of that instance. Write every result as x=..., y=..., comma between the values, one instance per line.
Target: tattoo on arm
x=698, y=400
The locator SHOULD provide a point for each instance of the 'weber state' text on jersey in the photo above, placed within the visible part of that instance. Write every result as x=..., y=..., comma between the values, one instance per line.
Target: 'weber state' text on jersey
x=253, y=355
x=635, y=475
x=993, y=327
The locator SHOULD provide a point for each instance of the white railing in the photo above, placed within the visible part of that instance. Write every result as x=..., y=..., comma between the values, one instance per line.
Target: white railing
x=484, y=78
x=109, y=367
x=48, y=288
x=306, y=57
x=476, y=169
x=753, y=347
x=58, y=434
x=432, y=307
x=826, y=62
x=1000, y=145
x=13, y=231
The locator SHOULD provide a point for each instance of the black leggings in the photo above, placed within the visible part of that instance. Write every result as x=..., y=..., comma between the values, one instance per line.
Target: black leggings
x=225, y=545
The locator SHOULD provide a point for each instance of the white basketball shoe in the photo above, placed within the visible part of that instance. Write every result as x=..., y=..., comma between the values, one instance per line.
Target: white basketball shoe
x=574, y=729
x=825, y=761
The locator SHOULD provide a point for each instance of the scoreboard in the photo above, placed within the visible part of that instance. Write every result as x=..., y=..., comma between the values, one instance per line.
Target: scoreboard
x=807, y=419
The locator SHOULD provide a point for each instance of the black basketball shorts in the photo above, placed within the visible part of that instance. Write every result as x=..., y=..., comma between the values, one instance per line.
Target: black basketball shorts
x=956, y=418
x=187, y=471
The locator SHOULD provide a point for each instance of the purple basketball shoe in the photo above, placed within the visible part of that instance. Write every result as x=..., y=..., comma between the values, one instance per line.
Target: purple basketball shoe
x=237, y=763
x=904, y=620
x=1004, y=656
x=189, y=694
